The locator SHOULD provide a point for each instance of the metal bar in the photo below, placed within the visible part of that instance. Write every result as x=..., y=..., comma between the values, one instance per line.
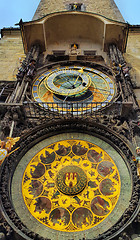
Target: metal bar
x=39, y=113
x=48, y=109
x=53, y=109
x=62, y=110
x=19, y=93
x=14, y=93
x=30, y=111
x=2, y=91
x=23, y=95
x=10, y=104
x=44, y=112
x=82, y=110
x=12, y=128
x=91, y=109
x=67, y=112
x=57, y=107
x=72, y=109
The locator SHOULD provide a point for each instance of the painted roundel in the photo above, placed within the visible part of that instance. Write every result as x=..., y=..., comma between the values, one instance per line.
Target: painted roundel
x=71, y=185
x=73, y=84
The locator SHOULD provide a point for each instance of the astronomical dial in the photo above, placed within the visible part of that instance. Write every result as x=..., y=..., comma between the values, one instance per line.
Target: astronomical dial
x=70, y=183
x=73, y=183
x=68, y=82
x=73, y=84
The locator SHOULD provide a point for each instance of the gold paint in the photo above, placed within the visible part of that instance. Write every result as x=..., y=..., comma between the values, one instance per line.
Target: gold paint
x=79, y=211
x=6, y=146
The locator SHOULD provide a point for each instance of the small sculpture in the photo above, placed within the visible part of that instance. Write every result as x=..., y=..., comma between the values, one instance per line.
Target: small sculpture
x=31, y=69
x=116, y=69
x=6, y=146
x=74, y=49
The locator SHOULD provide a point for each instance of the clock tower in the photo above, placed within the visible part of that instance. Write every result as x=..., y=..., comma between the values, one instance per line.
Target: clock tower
x=70, y=154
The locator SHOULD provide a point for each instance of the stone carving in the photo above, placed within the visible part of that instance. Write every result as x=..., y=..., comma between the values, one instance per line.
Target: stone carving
x=121, y=72
x=124, y=236
x=6, y=146
x=28, y=65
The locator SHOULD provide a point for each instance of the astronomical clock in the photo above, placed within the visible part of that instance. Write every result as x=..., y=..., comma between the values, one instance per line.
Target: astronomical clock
x=70, y=178
x=70, y=171
x=82, y=86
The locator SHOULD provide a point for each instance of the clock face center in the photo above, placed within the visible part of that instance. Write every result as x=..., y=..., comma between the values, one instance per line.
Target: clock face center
x=68, y=81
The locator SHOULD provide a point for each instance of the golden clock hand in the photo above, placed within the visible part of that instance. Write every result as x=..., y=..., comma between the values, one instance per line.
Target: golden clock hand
x=100, y=93
x=102, y=89
x=75, y=81
x=80, y=71
x=67, y=95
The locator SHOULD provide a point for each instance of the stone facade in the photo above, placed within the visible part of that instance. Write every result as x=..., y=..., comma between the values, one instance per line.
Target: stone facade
x=11, y=54
x=106, y=8
x=132, y=56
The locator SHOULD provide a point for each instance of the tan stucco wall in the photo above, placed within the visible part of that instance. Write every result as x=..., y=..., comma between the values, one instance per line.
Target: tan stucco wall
x=132, y=56
x=106, y=8
x=11, y=53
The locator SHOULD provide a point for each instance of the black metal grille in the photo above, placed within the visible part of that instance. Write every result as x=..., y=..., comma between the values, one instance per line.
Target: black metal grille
x=57, y=110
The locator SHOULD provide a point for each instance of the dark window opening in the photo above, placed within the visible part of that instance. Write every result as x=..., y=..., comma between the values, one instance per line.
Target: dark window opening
x=3, y=99
x=90, y=52
x=76, y=7
x=59, y=52
x=56, y=58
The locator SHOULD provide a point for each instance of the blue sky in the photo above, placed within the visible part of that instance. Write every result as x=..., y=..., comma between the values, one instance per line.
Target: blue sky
x=11, y=11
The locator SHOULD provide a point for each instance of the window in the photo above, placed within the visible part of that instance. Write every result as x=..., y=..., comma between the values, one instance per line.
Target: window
x=76, y=7
x=59, y=52
x=90, y=52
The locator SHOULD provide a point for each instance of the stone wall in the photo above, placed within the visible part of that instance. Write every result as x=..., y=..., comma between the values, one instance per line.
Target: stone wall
x=106, y=8
x=11, y=54
x=132, y=56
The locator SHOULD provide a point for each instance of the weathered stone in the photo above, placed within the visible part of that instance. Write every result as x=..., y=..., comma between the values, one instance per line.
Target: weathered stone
x=106, y=8
x=11, y=55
